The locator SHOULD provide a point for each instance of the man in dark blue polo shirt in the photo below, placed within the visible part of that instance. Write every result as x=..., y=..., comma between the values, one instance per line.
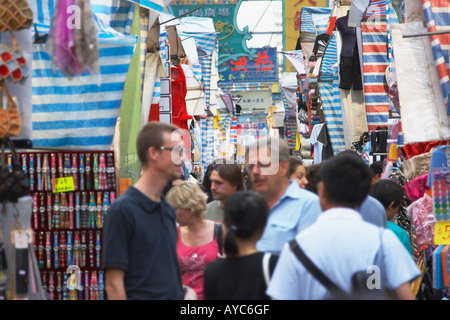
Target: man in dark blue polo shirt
x=139, y=252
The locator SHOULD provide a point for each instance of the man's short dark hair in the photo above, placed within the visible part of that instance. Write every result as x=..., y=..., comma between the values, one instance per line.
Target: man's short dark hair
x=376, y=168
x=387, y=191
x=231, y=173
x=347, y=179
x=151, y=135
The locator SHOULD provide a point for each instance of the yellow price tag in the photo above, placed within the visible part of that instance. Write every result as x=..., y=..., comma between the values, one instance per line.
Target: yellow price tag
x=64, y=185
x=442, y=233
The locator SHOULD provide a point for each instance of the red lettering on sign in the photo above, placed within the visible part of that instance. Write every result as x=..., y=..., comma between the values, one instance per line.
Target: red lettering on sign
x=263, y=60
x=240, y=65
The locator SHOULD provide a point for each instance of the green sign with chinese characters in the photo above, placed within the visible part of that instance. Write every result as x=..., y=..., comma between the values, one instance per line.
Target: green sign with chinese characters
x=232, y=41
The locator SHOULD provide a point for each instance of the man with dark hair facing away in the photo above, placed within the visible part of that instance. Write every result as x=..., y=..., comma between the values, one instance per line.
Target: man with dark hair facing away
x=340, y=243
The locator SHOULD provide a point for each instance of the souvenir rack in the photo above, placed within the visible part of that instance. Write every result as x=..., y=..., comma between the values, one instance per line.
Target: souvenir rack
x=68, y=217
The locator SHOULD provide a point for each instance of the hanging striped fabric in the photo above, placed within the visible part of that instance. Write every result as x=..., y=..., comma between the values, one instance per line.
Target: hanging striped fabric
x=333, y=114
x=375, y=62
x=209, y=156
x=315, y=20
x=296, y=58
x=115, y=13
x=143, y=34
x=329, y=59
x=157, y=5
x=82, y=112
x=376, y=10
x=228, y=99
x=203, y=31
x=203, y=130
x=437, y=16
x=233, y=131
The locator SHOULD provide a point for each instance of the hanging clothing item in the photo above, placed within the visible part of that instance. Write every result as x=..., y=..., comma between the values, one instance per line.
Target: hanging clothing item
x=349, y=66
x=421, y=212
x=179, y=90
x=320, y=139
x=86, y=39
x=60, y=43
x=324, y=138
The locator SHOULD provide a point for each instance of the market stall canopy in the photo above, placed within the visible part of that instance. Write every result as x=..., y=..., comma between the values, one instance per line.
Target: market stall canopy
x=195, y=97
x=176, y=47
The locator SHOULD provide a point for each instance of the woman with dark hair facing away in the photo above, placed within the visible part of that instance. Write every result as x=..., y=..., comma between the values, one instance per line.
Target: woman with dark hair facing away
x=245, y=272
x=390, y=194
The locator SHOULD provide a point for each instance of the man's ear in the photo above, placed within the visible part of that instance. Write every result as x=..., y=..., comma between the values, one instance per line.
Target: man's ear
x=323, y=195
x=284, y=167
x=321, y=191
x=152, y=152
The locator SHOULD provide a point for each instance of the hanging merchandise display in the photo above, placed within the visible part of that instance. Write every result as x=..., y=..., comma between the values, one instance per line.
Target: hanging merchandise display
x=71, y=192
x=439, y=182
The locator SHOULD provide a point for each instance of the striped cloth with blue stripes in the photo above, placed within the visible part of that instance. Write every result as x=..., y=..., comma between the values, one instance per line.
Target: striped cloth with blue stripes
x=375, y=61
x=437, y=16
x=82, y=112
x=331, y=105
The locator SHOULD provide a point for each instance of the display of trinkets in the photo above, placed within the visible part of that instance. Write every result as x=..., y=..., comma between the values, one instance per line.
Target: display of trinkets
x=68, y=223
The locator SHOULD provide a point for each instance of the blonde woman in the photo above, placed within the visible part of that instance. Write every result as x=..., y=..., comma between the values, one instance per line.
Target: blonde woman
x=198, y=238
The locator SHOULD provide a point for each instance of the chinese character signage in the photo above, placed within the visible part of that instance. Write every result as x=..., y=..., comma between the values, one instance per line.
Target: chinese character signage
x=261, y=69
x=253, y=100
x=232, y=41
x=292, y=10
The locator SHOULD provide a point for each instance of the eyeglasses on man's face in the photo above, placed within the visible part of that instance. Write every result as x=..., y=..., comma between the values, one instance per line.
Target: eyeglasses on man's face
x=179, y=150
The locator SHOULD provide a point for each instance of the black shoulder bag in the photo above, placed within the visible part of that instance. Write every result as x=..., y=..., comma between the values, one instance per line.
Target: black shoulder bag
x=14, y=184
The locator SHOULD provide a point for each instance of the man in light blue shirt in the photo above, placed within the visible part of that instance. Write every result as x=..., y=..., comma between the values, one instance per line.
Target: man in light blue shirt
x=292, y=209
x=340, y=243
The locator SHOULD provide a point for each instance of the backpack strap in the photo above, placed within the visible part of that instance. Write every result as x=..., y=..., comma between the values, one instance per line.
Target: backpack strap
x=316, y=272
x=218, y=233
x=265, y=261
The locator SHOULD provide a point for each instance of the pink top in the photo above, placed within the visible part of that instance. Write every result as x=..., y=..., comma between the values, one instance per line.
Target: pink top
x=193, y=262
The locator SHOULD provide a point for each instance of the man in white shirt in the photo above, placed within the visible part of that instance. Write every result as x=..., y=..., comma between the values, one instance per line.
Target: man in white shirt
x=340, y=243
